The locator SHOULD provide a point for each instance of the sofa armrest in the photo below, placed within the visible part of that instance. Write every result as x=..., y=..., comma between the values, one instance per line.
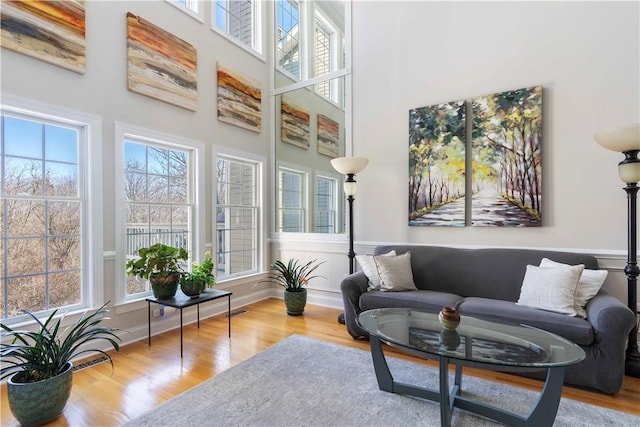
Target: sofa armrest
x=607, y=313
x=352, y=287
x=612, y=322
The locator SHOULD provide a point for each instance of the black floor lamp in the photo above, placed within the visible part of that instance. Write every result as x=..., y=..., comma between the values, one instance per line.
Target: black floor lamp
x=349, y=166
x=626, y=140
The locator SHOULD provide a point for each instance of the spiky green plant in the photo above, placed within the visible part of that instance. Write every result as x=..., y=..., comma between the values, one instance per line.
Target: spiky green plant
x=292, y=276
x=45, y=353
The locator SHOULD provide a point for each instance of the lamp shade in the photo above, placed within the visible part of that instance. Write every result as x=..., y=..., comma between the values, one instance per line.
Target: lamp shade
x=621, y=139
x=349, y=165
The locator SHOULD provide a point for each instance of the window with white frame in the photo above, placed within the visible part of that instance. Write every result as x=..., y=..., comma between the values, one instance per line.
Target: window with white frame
x=195, y=8
x=158, y=183
x=49, y=236
x=326, y=205
x=324, y=51
x=291, y=200
x=288, y=39
x=239, y=19
x=237, y=216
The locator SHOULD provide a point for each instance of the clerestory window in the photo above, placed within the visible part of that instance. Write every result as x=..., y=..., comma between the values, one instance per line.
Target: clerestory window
x=240, y=20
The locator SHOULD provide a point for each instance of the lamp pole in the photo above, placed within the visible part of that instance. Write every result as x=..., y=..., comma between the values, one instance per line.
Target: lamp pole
x=351, y=186
x=632, y=361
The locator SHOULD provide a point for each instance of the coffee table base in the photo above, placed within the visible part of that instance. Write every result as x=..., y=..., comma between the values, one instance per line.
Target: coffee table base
x=543, y=412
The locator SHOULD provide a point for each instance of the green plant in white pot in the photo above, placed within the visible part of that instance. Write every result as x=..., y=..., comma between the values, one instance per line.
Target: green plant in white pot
x=39, y=362
x=160, y=264
x=293, y=276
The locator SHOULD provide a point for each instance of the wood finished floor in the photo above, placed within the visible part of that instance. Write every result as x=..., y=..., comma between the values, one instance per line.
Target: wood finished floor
x=146, y=376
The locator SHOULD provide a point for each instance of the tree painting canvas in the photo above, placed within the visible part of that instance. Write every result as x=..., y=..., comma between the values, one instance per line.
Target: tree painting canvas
x=507, y=163
x=295, y=122
x=437, y=165
x=239, y=99
x=160, y=65
x=328, y=136
x=53, y=31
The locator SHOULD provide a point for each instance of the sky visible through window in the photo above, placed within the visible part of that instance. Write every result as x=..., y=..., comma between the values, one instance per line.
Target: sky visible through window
x=287, y=14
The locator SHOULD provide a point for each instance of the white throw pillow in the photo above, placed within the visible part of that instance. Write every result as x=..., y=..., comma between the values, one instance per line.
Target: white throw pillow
x=588, y=286
x=395, y=272
x=551, y=289
x=368, y=266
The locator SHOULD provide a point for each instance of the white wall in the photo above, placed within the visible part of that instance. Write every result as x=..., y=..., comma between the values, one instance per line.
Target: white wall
x=586, y=56
x=102, y=91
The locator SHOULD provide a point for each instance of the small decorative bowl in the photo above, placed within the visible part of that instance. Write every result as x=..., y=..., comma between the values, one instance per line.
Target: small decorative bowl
x=449, y=318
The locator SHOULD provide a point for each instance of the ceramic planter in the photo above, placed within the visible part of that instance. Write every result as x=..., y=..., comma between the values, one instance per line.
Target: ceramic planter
x=40, y=402
x=164, y=287
x=295, y=301
x=192, y=288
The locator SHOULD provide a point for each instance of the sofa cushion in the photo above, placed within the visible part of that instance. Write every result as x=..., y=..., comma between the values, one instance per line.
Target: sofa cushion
x=368, y=266
x=551, y=288
x=486, y=272
x=588, y=286
x=395, y=272
x=574, y=329
x=422, y=300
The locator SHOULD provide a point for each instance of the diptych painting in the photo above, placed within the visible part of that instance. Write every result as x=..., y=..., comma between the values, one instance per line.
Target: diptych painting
x=161, y=65
x=295, y=122
x=437, y=165
x=53, y=31
x=507, y=163
x=328, y=136
x=239, y=99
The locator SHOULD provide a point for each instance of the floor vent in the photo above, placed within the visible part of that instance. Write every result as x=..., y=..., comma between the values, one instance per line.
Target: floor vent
x=90, y=363
x=236, y=313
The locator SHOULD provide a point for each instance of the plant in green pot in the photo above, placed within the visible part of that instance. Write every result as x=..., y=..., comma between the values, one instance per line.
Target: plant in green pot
x=39, y=362
x=201, y=277
x=160, y=264
x=293, y=276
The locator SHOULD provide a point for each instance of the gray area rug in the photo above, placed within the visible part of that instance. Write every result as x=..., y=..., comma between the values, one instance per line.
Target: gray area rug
x=306, y=382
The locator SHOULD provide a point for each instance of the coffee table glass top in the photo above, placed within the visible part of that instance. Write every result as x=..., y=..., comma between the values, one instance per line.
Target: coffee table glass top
x=474, y=340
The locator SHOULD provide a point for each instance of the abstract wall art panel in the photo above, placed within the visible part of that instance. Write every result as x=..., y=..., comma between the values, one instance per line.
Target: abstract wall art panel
x=295, y=122
x=239, y=99
x=53, y=31
x=160, y=65
x=328, y=136
x=507, y=163
x=437, y=165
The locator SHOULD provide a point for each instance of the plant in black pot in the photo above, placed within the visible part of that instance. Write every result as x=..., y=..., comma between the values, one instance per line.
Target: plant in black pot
x=201, y=276
x=293, y=276
x=40, y=362
x=161, y=265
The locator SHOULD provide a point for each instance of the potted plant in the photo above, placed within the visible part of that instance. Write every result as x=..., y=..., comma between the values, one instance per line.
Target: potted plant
x=40, y=362
x=293, y=276
x=161, y=265
x=200, y=277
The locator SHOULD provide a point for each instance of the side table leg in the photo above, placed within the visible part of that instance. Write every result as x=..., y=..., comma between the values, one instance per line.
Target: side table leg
x=180, y=332
x=198, y=308
x=229, y=313
x=149, y=320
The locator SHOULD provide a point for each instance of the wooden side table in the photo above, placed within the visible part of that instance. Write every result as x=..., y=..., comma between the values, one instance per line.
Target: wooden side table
x=181, y=301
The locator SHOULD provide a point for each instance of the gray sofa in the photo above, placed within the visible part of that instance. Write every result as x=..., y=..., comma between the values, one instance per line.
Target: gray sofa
x=488, y=282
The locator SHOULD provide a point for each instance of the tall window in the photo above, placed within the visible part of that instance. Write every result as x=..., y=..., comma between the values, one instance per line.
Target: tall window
x=240, y=19
x=288, y=36
x=323, y=62
x=237, y=216
x=291, y=201
x=45, y=233
x=159, y=201
x=325, y=215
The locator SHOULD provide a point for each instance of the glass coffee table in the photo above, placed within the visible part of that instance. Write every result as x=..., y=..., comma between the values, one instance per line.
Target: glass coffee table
x=474, y=343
